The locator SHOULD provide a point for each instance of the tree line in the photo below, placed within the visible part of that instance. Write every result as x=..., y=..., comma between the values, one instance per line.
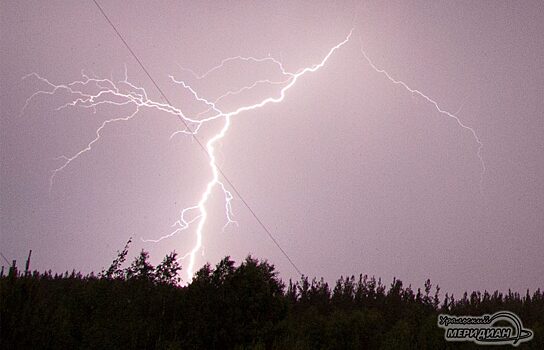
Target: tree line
x=229, y=306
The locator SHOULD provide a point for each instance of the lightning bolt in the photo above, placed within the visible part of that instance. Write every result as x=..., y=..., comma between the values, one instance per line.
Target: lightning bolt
x=92, y=92
x=438, y=108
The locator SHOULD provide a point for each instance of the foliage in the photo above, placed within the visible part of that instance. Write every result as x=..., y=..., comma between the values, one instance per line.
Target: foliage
x=234, y=307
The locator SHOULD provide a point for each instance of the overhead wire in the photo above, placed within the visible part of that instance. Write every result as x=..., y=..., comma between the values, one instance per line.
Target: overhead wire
x=259, y=221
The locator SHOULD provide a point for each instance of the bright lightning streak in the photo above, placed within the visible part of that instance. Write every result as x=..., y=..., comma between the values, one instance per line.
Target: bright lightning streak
x=210, y=144
x=122, y=93
x=439, y=109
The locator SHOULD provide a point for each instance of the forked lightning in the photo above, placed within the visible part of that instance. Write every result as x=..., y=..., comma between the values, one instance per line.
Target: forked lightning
x=92, y=92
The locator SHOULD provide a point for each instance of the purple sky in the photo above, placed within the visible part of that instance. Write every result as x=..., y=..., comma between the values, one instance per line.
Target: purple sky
x=351, y=173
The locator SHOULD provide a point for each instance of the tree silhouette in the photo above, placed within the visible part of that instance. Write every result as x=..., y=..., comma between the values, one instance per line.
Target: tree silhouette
x=231, y=306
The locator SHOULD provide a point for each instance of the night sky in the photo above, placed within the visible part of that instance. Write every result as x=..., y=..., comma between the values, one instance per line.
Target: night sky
x=350, y=172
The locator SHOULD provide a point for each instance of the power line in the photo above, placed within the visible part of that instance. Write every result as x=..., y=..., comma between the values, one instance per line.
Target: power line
x=6, y=259
x=197, y=140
